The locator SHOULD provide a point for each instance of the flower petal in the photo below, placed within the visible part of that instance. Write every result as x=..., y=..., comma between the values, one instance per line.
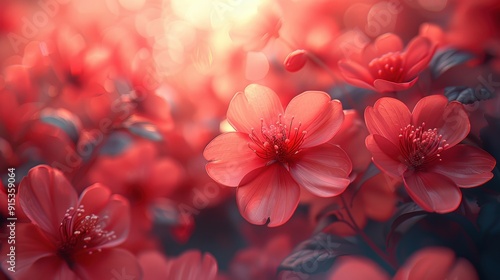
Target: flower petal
x=108, y=264
x=418, y=54
x=385, y=155
x=257, y=103
x=356, y=74
x=433, y=192
x=387, y=43
x=451, y=120
x=272, y=194
x=384, y=44
x=317, y=114
x=94, y=198
x=32, y=246
x=463, y=270
x=51, y=267
x=118, y=212
x=154, y=265
x=322, y=170
x=230, y=158
x=45, y=195
x=378, y=197
x=387, y=117
x=357, y=268
x=428, y=263
x=466, y=165
x=388, y=86
x=192, y=265
x=351, y=138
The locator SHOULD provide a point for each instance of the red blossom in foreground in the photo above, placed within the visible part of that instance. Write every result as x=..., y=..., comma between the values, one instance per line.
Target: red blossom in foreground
x=191, y=265
x=70, y=237
x=384, y=66
x=422, y=147
x=274, y=151
x=433, y=263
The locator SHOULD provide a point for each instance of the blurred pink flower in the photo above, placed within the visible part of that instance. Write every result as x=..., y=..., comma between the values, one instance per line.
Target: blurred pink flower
x=191, y=265
x=384, y=66
x=433, y=263
x=143, y=177
x=274, y=151
x=422, y=147
x=71, y=237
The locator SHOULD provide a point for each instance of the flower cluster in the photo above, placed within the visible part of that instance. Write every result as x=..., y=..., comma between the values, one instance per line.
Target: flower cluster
x=263, y=139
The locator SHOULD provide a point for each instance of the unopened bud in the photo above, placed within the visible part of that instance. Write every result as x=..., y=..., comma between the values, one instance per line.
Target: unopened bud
x=295, y=60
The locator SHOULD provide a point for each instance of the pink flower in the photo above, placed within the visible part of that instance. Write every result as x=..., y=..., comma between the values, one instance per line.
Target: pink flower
x=274, y=151
x=191, y=265
x=71, y=238
x=433, y=263
x=383, y=66
x=422, y=147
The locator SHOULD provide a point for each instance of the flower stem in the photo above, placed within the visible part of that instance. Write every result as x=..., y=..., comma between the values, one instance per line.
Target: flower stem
x=389, y=260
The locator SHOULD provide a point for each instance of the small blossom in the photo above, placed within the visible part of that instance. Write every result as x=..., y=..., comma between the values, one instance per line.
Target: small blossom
x=383, y=66
x=274, y=151
x=422, y=148
x=70, y=237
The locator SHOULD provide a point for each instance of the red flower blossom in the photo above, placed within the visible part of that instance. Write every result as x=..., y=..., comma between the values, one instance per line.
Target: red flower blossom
x=422, y=148
x=191, y=265
x=71, y=238
x=274, y=151
x=147, y=179
x=383, y=66
x=433, y=263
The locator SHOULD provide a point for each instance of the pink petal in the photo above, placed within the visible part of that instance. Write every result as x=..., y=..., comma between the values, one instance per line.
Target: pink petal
x=466, y=165
x=118, y=212
x=433, y=192
x=429, y=263
x=154, y=265
x=257, y=103
x=32, y=246
x=108, y=264
x=94, y=198
x=192, y=265
x=51, y=267
x=378, y=197
x=322, y=170
x=351, y=138
x=387, y=117
x=230, y=158
x=388, y=86
x=463, y=270
x=356, y=74
x=159, y=185
x=451, y=120
x=387, y=43
x=320, y=116
x=384, y=44
x=418, y=54
x=272, y=194
x=45, y=195
x=385, y=155
x=357, y=268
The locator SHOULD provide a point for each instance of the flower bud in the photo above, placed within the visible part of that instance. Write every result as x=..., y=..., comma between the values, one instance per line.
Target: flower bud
x=295, y=60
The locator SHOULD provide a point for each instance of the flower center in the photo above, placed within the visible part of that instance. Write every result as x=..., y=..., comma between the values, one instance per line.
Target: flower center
x=419, y=146
x=277, y=142
x=388, y=67
x=82, y=232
